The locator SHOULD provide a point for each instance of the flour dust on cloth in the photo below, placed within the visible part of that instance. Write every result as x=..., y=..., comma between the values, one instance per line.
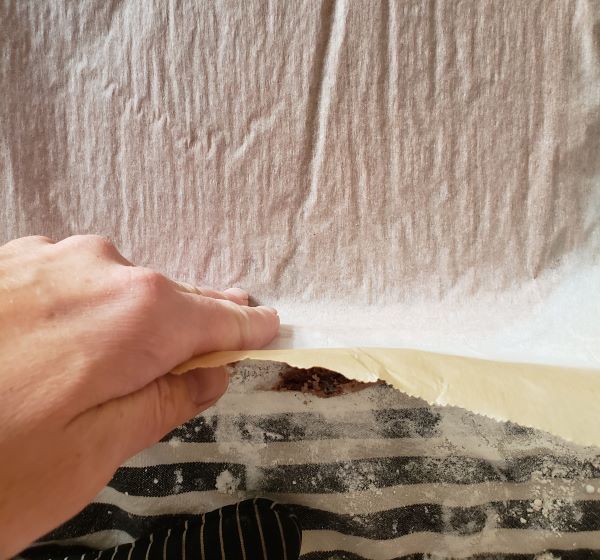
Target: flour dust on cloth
x=370, y=475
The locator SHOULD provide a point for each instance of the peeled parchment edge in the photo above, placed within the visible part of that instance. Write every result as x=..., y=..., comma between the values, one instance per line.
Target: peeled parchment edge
x=561, y=400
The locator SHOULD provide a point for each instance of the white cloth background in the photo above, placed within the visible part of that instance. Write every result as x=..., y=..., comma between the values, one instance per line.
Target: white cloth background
x=351, y=151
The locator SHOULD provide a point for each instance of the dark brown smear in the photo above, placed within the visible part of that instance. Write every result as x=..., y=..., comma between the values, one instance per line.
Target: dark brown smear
x=318, y=381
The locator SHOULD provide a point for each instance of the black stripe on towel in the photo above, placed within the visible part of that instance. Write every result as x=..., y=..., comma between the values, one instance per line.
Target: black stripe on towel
x=565, y=517
x=365, y=474
x=348, y=476
x=166, y=480
x=304, y=426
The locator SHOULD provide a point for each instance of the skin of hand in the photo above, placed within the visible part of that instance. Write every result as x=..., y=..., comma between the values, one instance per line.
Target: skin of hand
x=86, y=344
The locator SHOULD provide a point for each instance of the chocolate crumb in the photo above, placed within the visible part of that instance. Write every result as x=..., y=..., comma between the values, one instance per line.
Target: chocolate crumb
x=318, y=381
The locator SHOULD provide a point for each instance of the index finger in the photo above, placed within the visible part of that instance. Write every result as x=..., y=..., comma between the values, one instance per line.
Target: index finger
x=224, y=325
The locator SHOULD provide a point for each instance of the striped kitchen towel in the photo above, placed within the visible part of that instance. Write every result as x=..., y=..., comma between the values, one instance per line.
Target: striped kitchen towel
x=371, y=475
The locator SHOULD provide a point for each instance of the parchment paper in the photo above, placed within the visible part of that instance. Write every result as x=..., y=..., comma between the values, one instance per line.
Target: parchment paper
x=407, y=174
x=528, y=394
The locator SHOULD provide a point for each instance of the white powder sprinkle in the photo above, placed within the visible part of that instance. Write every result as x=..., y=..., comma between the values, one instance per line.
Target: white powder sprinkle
x=546, y=556
x=178, y=481
x=226, y=483
x=174, y=442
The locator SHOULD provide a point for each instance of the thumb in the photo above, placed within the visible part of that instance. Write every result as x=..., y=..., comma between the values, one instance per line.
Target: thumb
x=128, y=424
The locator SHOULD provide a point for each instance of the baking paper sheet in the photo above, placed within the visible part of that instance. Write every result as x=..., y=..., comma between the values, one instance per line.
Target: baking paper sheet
x=390, y=174
x=528, y=394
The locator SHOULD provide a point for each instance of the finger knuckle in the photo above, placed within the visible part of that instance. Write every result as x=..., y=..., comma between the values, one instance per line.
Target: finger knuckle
x=148, y=285
x=94, y=243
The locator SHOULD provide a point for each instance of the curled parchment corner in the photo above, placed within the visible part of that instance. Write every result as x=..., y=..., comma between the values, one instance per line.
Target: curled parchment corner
x=561, y=400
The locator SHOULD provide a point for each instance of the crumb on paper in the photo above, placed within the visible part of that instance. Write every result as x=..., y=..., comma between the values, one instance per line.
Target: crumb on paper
x=318, y=381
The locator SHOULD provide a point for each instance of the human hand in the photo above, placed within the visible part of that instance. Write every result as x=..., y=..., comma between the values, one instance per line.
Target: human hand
x=86, y=344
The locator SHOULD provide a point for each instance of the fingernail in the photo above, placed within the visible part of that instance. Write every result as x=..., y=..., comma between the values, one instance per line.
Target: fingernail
x=270, y=309
x=207, y=384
